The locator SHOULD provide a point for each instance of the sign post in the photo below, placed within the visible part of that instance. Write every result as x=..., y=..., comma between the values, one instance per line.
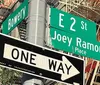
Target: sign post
x=15, y=18
x=41, y=61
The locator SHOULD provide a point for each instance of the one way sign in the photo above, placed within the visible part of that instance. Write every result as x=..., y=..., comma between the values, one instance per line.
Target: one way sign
x=41, y=61
x=63, y=67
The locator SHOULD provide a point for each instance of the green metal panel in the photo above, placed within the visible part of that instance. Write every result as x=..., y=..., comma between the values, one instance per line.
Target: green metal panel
x=75, y=44
x=72, y=24
x=15, y=18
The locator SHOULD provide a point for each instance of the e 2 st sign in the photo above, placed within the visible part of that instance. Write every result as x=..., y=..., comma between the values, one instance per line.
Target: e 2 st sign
x=72, y=24
x=15, y=18
x=40, y=61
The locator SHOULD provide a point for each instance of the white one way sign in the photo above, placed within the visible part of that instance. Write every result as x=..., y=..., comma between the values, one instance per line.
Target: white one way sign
x=63, y=67
x=40, y=61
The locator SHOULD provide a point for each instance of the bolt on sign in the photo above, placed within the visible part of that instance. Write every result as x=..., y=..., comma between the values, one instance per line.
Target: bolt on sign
x=41, y=61
x=15, y=18
x=72, y=38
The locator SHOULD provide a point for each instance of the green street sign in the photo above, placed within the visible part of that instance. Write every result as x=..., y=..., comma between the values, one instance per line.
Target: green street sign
x=72, y=24
x=15, y=18
x=74, y=44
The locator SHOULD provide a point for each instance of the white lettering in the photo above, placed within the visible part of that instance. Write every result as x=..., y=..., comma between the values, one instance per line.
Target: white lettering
x=86, y=45
x=96, y=48
x=84, y=25
x=60, y=20
x=13, y=21
x=9, y=24
x=59, y=37
x=24, y=12
x=62, y=38
x=80, y=51
x=69, y=41
x=78, y=41
x=74, y=21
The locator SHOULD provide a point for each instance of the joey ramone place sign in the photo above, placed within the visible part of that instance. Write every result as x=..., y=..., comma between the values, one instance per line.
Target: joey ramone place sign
x=40, y=61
